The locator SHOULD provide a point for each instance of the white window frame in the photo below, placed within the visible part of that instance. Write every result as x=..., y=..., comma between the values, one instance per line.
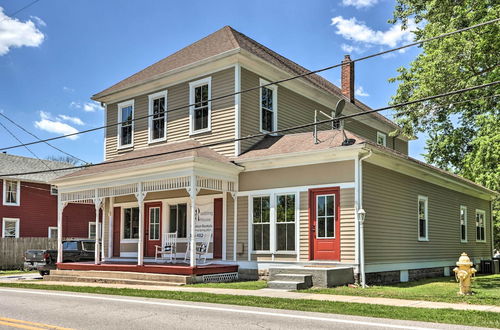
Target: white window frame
x=479, y=211
x=53, y=190
x=52, y=228
x=426, y=200
x=273, y=221
x=384, y=138
x=16, y=220
x=122, y=223
x=464, y=209
x=92, y=223
x=152, y=97
x=18, y=193
x=192, y=86
x=274, y=88
x=119, y=130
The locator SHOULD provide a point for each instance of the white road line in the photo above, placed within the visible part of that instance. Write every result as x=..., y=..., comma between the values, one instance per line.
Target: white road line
x=220, y=309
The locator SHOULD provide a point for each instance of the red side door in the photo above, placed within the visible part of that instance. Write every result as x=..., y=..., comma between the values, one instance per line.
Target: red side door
x=218, y=228
x=116, y=231
x=152, y=227
x=324, y=224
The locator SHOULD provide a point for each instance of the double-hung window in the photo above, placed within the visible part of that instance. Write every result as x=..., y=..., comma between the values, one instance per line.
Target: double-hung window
x=158, y=117
x=178, y=220
x=382, y=139
x=423, y=221
x=52, y=232
x=11, y=191
x=93, y=230
x=261, y=223
x=130, y=223
x=126, y=124
x=10, y=227
x=463, y=223
x=285, y=222
x=268, y=107
x=480, y=226
x=200, y=109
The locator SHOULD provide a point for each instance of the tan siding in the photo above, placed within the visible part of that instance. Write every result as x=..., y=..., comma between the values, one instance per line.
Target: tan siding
x=390, y=202
x=304, y=226
x=347, y=226
x=298, y=176
x=229, y=227
x=293, y=109
x=242, y=229
x=178, y=120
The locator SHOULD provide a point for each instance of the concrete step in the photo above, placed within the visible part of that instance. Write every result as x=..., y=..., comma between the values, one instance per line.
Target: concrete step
x=181, y=279
x=322, y=276
x=306, y=278
x=287, y=285
x=83, y=279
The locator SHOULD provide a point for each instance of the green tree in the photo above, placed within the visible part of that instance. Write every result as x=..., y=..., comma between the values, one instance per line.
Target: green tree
x=464, y=130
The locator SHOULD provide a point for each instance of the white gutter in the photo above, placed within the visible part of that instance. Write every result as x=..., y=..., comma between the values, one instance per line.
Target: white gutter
x=360, y=222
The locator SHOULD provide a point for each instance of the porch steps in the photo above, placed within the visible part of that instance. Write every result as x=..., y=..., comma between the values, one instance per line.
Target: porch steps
x=320, y=276
x=91, y=276
x=290, y=281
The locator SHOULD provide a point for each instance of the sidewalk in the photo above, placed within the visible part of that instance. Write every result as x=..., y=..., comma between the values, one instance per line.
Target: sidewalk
x=289, y=295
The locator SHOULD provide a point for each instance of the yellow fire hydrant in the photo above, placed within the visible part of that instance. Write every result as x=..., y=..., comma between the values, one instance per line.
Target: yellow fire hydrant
x=464, y=274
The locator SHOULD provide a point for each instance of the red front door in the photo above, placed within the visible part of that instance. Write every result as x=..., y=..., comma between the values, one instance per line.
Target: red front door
x=152, y=228
x=324, y=224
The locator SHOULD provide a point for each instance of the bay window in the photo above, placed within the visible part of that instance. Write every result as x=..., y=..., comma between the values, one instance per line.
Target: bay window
x=158, y=117
x=126, y=124
x=200, y=109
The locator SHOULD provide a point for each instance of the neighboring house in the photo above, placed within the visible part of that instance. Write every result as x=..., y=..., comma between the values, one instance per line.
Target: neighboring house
x=278, y=200
x=29, y=203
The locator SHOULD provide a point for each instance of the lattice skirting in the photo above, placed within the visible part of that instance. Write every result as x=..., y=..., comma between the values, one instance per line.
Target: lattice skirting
x=219, y=278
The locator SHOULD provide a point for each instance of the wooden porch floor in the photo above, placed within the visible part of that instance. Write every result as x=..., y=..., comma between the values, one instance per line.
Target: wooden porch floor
x=150, y=267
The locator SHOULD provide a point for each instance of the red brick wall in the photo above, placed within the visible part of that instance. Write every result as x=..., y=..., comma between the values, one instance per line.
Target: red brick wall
x=38, y=211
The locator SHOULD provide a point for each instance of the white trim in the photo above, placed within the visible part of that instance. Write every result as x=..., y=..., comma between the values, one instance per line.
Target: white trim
x=384, y=138
x=94, y=224
x=237, y=109
x=151, y=98
x=426, y=203
x=105, y=132
x=128, y=254
x=49, y=229
x=463, y=207
x=124, y=206
x=420, y=264
x=18, y=193
x=192, y=86
x=274, y=89
x=479, y=211
x=16, y=220
x=122, y=105
x=298, y=189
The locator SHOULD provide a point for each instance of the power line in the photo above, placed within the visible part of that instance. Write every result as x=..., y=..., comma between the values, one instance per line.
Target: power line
x=15, y=137
x=36, y=137
x=19, y=10
x=259, y=87
x=270, y=133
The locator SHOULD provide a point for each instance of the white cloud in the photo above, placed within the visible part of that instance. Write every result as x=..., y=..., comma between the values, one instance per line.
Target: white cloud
x=86, y=106
x=46, y=123
x=359, y=91
x=349, y=49
x=14, y=33
x=68, y=89
x=357, y=31
x=39, y=21
x=74, y=120
x=359, y=3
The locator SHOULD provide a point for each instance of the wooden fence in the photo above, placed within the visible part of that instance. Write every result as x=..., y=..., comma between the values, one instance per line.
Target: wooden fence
x=12, y=249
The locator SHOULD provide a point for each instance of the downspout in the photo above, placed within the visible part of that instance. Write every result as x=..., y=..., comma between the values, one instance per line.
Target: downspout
x=361, y=225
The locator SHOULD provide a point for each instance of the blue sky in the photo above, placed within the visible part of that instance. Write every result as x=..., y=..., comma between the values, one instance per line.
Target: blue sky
x=62, y=52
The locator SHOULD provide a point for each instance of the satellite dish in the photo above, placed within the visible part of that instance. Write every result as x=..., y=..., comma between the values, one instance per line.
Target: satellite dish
x=339, y=107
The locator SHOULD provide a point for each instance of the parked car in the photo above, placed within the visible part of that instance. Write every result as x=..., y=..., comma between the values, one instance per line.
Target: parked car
x=73, y=251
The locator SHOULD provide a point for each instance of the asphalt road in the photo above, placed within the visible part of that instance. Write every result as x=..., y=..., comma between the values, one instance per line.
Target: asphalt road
x=37, y=309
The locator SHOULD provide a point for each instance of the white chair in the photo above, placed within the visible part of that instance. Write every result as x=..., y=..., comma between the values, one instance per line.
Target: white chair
x=169, y=247
x=201, y=247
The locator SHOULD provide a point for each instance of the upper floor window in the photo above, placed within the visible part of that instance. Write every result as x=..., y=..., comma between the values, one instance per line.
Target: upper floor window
x=126, y=125
x=268, y=107
x=200, y=109
x=382, y=139
x=480, y=226
x=463, y=224
x=423, y=221
x=53, y=190
x=158, y=117
x=10, y=227
x=11, y=192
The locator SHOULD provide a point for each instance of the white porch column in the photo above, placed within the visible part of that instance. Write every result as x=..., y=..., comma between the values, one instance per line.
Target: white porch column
x=140, y=195
x=192, y=194
x=97, y=205
x=224, y=224
x=110, y=226
x=60, y=209
x=235, y=225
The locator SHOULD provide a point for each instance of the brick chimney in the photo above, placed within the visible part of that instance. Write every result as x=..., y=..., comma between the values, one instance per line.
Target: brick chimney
x=347, y=78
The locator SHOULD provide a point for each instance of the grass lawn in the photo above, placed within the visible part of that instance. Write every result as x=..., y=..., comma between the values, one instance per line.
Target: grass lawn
x=244, y=285
x=15, y=272
x=476, y=318
x=444, y=289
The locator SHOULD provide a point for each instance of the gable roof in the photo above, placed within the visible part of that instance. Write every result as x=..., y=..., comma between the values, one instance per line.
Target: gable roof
x=18, y=164
x=221, y=41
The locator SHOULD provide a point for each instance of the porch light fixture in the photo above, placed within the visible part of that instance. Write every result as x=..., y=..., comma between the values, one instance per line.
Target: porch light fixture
x=361, y=215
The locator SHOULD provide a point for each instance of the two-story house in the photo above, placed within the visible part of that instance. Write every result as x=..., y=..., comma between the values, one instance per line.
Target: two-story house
x=29, y=202
x=283, y=199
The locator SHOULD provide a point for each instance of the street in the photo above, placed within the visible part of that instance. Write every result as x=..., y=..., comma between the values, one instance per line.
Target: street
x=38, y=309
